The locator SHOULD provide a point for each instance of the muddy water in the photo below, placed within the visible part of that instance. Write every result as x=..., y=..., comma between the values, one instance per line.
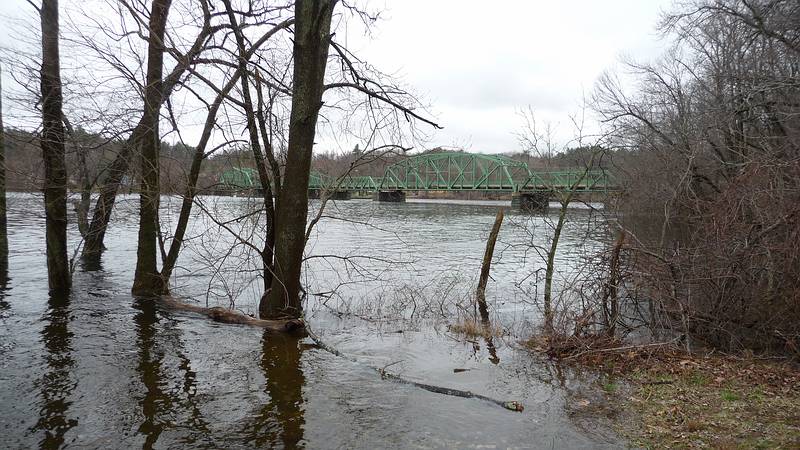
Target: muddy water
x=100, y=369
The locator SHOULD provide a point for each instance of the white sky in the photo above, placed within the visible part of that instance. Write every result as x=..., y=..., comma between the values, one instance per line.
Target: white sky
x=478, y=63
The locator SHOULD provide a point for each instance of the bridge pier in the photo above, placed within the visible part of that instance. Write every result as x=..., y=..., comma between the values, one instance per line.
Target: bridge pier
x=340, y=195
x=390, y=196
x=335, y=195
x=530, y=201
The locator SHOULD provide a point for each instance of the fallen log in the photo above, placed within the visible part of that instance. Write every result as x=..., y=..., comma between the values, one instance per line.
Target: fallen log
x=225, y=315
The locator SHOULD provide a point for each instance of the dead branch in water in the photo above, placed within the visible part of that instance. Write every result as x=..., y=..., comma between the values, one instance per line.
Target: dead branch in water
x=509, y=405
x=480, y=296
x=224, y=315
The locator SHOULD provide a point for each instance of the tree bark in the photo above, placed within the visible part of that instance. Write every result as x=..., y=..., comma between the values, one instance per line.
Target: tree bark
x=480, y=296
x=147, y=280
x=52, y=143
x=312, y=40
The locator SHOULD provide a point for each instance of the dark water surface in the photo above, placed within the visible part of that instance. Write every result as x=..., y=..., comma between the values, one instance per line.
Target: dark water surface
x=101, y=369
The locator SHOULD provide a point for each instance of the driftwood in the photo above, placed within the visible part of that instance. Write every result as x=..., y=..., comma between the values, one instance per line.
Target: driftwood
x=225, y=315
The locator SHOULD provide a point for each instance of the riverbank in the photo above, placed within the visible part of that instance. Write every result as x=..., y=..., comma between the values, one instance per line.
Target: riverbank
x=662, y=397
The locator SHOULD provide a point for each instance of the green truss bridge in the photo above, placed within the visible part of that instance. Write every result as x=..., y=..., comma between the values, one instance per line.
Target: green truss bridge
x=446, y=171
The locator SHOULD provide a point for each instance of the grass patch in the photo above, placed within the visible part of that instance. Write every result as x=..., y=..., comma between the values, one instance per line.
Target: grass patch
x=610, y=387
x=677, y=400
x=662, y=397
x=729, y=396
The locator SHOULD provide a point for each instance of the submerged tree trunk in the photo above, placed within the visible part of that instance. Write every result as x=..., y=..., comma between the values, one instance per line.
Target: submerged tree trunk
x=147, y=281
x=96, y=232
x=311, y=42
x=52, y=142
x=550, y=269
x=480, y=296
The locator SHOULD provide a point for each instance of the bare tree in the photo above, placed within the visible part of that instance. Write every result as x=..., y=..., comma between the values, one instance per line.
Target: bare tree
x=147, y=280
x=119, y=166
x=52, y=142
x=312, y=39
x=587, y=173
x=3, y=208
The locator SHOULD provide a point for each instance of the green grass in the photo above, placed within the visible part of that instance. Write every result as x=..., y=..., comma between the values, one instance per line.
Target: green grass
x=729, y=396
x=610, y=387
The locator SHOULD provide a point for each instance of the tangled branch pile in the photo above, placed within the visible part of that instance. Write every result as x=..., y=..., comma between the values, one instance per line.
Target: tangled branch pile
x=713, y=139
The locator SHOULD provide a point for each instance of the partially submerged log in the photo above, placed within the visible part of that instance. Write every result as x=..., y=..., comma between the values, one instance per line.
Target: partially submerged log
x=225, y=315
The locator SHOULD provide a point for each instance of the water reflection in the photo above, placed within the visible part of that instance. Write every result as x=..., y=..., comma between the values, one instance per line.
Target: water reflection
x=156, y=402
x=91, y=263
x=4, y=279
x=170, y=397
x=56, y=383
x=281, y=420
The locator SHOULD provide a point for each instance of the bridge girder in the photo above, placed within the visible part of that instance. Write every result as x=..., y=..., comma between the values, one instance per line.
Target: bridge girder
x=445, y=171
x=455, y=171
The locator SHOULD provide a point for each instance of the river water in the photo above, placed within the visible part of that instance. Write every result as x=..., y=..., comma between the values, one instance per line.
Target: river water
x=385, y=281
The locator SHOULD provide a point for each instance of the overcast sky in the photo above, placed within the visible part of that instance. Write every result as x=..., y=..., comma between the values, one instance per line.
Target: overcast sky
x=478, y=63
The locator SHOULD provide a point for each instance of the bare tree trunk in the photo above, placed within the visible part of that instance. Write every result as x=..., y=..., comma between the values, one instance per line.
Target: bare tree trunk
x=147, y=280
x=3, y=215
x=191, y=188
x=611, y=291
x=95, y=234
x=480, y=296
x=550, y=269
x=268, y=252
x=82, y=206
x=312, y=39
x=52, y=142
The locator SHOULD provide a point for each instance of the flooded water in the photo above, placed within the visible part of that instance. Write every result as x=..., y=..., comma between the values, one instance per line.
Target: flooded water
x=101, y=369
